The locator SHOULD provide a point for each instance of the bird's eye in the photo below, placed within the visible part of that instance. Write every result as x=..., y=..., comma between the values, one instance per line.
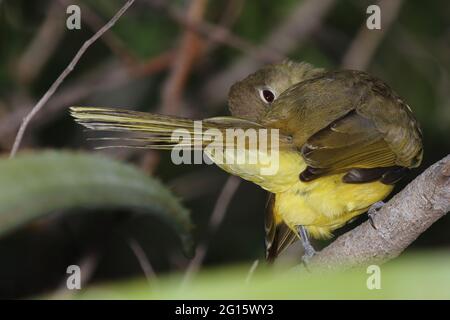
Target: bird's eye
x=267, y=95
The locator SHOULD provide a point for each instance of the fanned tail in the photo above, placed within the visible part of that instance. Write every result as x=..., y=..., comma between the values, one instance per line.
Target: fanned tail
x=154, y=131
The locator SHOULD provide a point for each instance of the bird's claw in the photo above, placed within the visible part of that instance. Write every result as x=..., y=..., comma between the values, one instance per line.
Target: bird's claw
x=373, y=210
x=309, y=251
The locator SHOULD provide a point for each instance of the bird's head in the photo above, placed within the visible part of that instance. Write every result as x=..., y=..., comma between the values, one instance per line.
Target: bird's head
x=251, y=97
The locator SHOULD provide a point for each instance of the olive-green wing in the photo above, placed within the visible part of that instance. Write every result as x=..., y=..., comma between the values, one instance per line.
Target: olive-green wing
x=348, y=121
x=350, y=144
x=278, y=235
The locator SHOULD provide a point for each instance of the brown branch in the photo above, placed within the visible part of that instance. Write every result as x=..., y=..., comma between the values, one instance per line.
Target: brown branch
x=153, y=64
x=190, y=49
x=366, y=42
x=404, y=218
x=217, y=33
x=63, y=75
x=410, y=212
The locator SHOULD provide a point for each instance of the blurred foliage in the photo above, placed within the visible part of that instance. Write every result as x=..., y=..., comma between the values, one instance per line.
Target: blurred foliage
x=35, y=184
x=419, y=276
x=413, y=58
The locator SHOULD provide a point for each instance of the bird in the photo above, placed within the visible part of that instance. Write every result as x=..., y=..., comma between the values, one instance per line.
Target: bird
x=344, y=138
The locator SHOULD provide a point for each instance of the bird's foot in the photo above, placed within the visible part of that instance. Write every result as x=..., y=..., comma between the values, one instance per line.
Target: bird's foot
x=309, y=251
x=372, y=212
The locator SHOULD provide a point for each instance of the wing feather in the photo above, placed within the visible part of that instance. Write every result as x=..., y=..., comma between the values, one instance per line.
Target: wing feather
x=278, y=235
x=351, y=141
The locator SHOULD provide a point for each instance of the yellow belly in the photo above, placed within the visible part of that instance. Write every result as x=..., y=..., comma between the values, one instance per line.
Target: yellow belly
x=327, y=203
x=321, y=205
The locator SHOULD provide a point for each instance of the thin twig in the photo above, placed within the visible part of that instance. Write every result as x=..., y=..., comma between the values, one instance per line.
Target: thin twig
x=217, y=216
x=105, y=77
x=88, y=265
x=63, y=75
x=251, y=271
x=94, y=22
x=146, y=267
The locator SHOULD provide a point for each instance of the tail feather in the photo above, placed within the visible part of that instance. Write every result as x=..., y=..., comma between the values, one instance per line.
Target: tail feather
x=154, y=131
x=235, y=151
x=125, y=120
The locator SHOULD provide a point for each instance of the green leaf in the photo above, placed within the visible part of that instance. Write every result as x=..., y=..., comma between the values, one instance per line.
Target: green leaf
x=35, y=184
x=422, y=275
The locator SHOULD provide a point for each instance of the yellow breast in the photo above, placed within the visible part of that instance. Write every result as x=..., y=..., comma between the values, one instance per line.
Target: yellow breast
x=287, y=165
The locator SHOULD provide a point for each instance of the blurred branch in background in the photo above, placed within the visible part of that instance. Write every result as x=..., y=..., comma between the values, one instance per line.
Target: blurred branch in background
x=144, y=263
x=230, y=15
x=193, y=46
x=217, y=216
x=413, y=50
x=196, y=184
x=289, y=35
x=190, y=48
x=219, y=34
x=116, y=75
x=108, y=76
x=401, y=221
x=63, y=75
x=42, y=46
x=114, y=43
x=366, y=42
x=88, y=264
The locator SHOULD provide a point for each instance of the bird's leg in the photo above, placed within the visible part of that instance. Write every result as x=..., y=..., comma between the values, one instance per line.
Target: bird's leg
x=309, y=249
x=371, y=213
